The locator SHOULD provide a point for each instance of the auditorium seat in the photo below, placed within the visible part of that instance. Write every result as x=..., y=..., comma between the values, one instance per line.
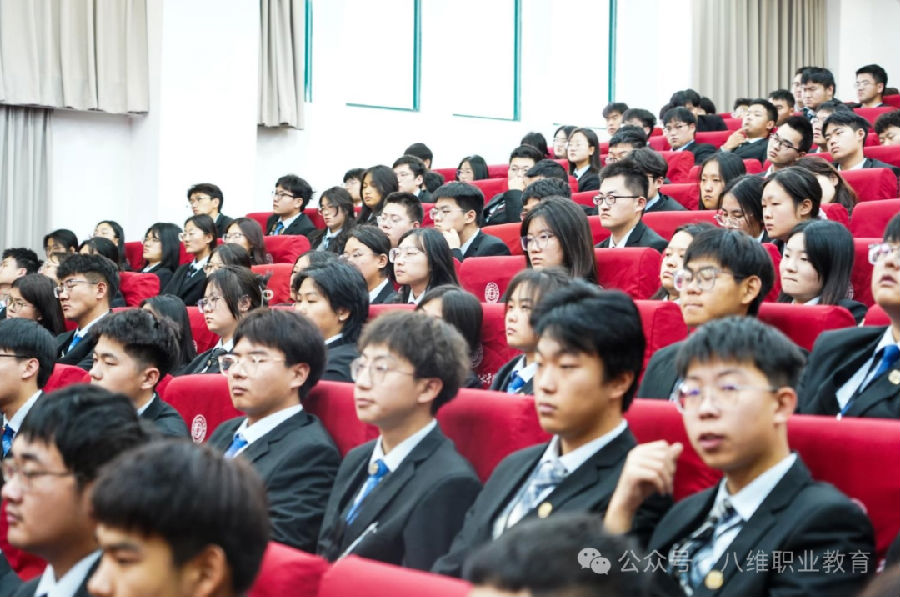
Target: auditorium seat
x=377, y=309
x=491, y=186
x=203, y=401
x=498, y=170
x=663, y=325
x=586, y=198
x=836, y=213
x=872, y=183
x=872, y=114
x=449, y=174
x=288, y=571
x=361, y=577
x=134, y=255
x=279, y=281
x=804, y=323
x=203, y=338
x=634, y=270
x=332, y=402
x=509, y=234
x=861, y=275
x=136, y=287
x=680, y=163
x=733, y=124
x=65, y=375
x=664, y=223
x=892, y=100
x=685, y=193
x=286, y=248
x=658, y=142
x=262, y=218
x=598, y=232
x=772, y=250
x=715, y=138
x=886, y=153
x=488, y=277
x=876, y=317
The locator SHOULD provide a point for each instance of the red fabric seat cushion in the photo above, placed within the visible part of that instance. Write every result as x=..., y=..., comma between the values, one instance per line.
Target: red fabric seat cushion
x=664, y=223
x=872, y=183
x=288, y=571
x=367, y=578
x=138, y=286
x=871, y=218
x=804, y=323
x=286, y=248
x=203, y=401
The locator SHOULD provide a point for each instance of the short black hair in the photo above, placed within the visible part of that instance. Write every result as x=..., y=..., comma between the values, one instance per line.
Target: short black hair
x=416, y=165
x=548, y=169
x=421, y=151
x=802, y=126
x=297, y=186
x=150, y=340
x=647, y=118
x=191, y=497
x=25, y=258
x=88, y=425
x=30, y=340
x=679, y=115
x=433, y=180
x=569, y=316
x=171, y=307
x=739, y=254
x=741, y=101
x=409, y=202
x=293, y=334
x=887, y=120
x=208, y=188
x=799, y=183
x=743, y=340
x=95, y=268
x=831, y=106
x=238, y=283
x=478, y=165
x=819, y=75
x=650, y=162
x=847, y=118
x=771, y=110
x=354, y=173
x=344, y=287
x=631, y=135
x=404, y=333
x=103, y=247
x=536, y=140
x=546, y=187
x=707, y=105
x=527, y=152
x=206, y=225
x=233, y=254
x=63, y=236
x=782, y=94
x=461, y=309
x=539, y=282
x=878, y=73
x=611, y=107
x=376, y=240
x=635, y=179
x=468, y=197
x=892, y=230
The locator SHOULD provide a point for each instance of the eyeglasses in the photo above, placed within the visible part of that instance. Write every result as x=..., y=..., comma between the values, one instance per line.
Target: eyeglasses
x=406, y=252
x=782, y=142
x=151, y=240
x=465, y=171
x=538, y=242
x=519, y=170
x=560, y=142
x=210, y=302
x=880, y=251
x=354, y=255
x=233, y=236
x=14, y=356
x=211, y=266
x=675, y=128
x=377, y=369
x=182, y=236
x=11, y=471
x=389, y=219
x=279, y=195
x=609, y=199
x=68, y=285
x=328, y=212
x=437, y=213
x=726, y=221
x=250, y=364
x=14, y=306
x=705, y=277
x=192, y=202
x=688, y=396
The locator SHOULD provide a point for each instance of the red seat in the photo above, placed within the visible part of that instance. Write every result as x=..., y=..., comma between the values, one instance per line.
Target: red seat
x=377, y=309
x=134, y=255
x=633, y=270
x=279, y=280
x=872, y=114
x=598, y=232
x=586, y=198
x=685, y=193
x=733, y=124
x=488, y=277
x=333, y=403
x=892, y=100
x=509, y=234
x=886, y=153
x=872, y=183
x=663, y=325
x=367, y=578
x=876, y=317
x=262, y=218
x=288, y=571
x=138, y=286
x=449, y=174
x=804, y=323
x=680, y=163
x=664, y=223
x=861, y=276
x=836, y=213
x=65, y=375
x=491, y=186
x=658, y=142
x=498, y=170
x=776, y=262
x=715, y=138
x=286, y=248
x=495, y=352
x=203, y=401
x=203, y=338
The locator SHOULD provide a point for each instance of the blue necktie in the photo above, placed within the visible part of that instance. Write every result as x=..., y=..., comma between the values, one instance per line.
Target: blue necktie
x=515, y=383
x=377, y=471
x=888, y=359
x=687, y=572
x=75, y=340
x=8, y=435
x=278, y=228
x=237, y=444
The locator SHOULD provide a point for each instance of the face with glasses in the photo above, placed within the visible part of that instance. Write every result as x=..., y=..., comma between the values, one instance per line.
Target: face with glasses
x=352, y=186
x=152, y=248
x=333, y=216
x=707, y=291
x=235, y=235
x=679, y=134
x=618, y=206
x=885, y=259
x=219, y=318
x=844, y=142
x=214, y=264
x=867, y=90
x=618, y=152
x=284, y=203
x=448, y=215
x=201, y=203
x=561, y=145
x=78, y=296
x=195, y=241
x=783, y=146
x=580, y=151
x=465, y=173
x=411, y=266
x=407, y=182
x=260, y=381
x=515, y=175
x=394, y=221
x=385, y=388
x=364, y=259
x=541, y=245
x=18, y=307
x=732, y=215
x=673, y=260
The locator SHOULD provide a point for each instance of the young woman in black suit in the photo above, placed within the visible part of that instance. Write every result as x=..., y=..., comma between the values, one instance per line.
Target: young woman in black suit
x=161, y=251
x=199, y=238
x=367, y=249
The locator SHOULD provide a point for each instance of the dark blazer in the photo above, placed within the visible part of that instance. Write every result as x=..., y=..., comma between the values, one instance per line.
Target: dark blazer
x=856, y=308
x=641, y=236
x=222, y=223
x=419, y=507
x=28, y=589
x=484, y=245
x=504, y=208
x=589, y=181
x=166, y=418
x=316, y=238
x=302, y=225
x=587, y=489
x=756, y=150
x=873, y=163
x=163, y=273
x=297, y=462
x=187, y=284
x=502, y=377
x=387, y=295
x=665, y=203
x=710, y=122
x=660, y=376
x=337, y=365
x=836, y=356
x=9, y=580
x=80, y=356
x=205, y=362
x=801, y=516
x=701, y=151
x=425, y=196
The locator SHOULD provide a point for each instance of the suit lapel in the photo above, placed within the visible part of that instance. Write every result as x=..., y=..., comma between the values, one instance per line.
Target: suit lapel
x=511, y=482
x=833, y=382
x=691, y=516
x=636, y=235
x=881, y=389
x=260, y=447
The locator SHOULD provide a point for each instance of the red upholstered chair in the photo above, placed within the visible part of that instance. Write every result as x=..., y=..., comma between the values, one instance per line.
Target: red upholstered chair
x=886, y=153
x=633, y=270
x=664, y=223
x=836, y=213
x=491, y=186
x=861, y=275
x=262, y=217
x=488, y=277
x=498, y=170
x=680, y=163
x=288, y=571
x=776, y=281
x=586, y=198
x=203, y=401
x=203, y=338
x=509, y=234
x=804, y=323
x=313, y=214
x=892, y=100
x=598, y=232
x=134, y=255
x=733, y=124
x=137, y=287
x=872, y=183
x=65, y=375
x=715, y=138
x=872, y=114
x=871, y=217
x=279, y=280
x=376, y=310
x=495, y=352
x=427, y=222
x=286, y=248
x=876, y=317
x=663, y=325
x=449, y=174
x=332, y=402
x=685, y=193
x=658, y=142
x=367, y=578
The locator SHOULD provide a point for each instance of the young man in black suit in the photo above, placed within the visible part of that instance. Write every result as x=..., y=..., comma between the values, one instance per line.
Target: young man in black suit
x=624, y=142
x=402, y=497
x=587, y=372
x=134, y=351
x=749, y=141
x=505, y=208
x=278, y=357
x=725, y=273
x=846, y=132
x=620, y=203
x=655, y=167
x=680, y=126
x=400, y=213
x=817, y=87
x=871, y=81
x=783, y=100
x=410, y=172
x=792, y=141
x=87, y=283
x=457, y=215
x=207, y=198
x=289, y=198
x=16, y=263
x=856, y=372
x=736, y=396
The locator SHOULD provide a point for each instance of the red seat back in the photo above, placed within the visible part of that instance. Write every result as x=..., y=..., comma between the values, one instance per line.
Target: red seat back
x=872, y=114
x=279, y=280
x=491, y=186
x=836, y=213
x=776, y=262
x=861, y=275
x=488, y=277
x=715, y=138
x=495, y=352
x=733, y=124
x=685, y=193
x=203, y=401
x=680, y=163
x=262, y=218
x=203, y=338
x=663, y=325
x=633, y=270
x=664, y=223
x=137, y=287
x=752, y=166
x=288, y=571
x=449, y=174
x=586, y=198
x=509, y=234
x=658, y=142
x=804, y=323
x=886, y=153
x=286, y=248
x=598, y=232
x=134, y=255
x=876, y=317
x=367, y=578
x=872, y=183
x=498, y=170
x=65, y=375
x=333, y=403
x=892, y=100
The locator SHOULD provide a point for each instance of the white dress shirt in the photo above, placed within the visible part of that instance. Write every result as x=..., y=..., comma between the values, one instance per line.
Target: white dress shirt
x=68, y=585
x=253, y=432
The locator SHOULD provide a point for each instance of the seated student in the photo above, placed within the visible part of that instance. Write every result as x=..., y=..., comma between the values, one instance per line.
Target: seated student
x=400, y=213
x=556, y=233
x=199, y=238
x=504, y=208
x=822, y=114
x=587, y=372
x=457, y=215
x=472, y=168
x=421, y=151
x=422, y=261
x=410, y=172
x=789, y=143
x=817, y=87
x=783, y=100
x=816, y=267
x=620, y=204
x=72, y=435
x=740, y=207
x=737, y=396
x=32, y=297
x=278, y=357
x=536, y=140
x=690, y=100
x=612, y=114
x=547, y=187
x=725, y=273
x=16, y=263
x=336, y=209
x=368, y=249
x=887, y=127
x=231, y=292
x=834, y=188
x=461, y=309
x=655, y=168
x=248, y=234
x=673, y=260
x=626, y=140
x=748, y=142
x=433, y=180
x=308, y=260
x=523, y=294
x=716, y=172
x=60, y=241
x=797, y=88
x=378, y=182
x=86, y=283
x=740, y=107
x=854, y=372
x=167, y=306
x=112, y=231
x=547, y=169
x=680, y=126
x=561, y=141
x=160, y=251
x=105, y=248
x=164, y=528
x=584, y=159
x=871, y=81
x=643, y=119
x=289, y=199
x=227, y=254
x=335, y=299
x=401, y=498
x=789, y=197
x=352, y=183
x=134, y=351
x=846, y=133
x=206, y=198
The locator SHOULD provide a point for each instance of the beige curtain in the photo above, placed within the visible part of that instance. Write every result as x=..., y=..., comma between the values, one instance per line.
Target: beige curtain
x=748, y=48
x=24, y=176
x=80, y=54
x=281, y=48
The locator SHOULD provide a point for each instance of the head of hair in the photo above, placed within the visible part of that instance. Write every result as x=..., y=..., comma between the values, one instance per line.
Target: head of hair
x=843, y=193
x=878, y=73
x=440, y=259
x=566, y=130
x=747, y=190
x=832, y=106
x=29, y=339
x=343, y=287
x=645, y=116
x=679, y=115
x=634, y=178
x=536, y=140
x=408, y=202
x=707, y=105
x=629, y=134
x=171, y=307
x=354, y=174
x=253, y=232
x=24, y=258
x=38, y=289
x=592, y=141
x=478, y=165
x=93, y=267
x=892, y=230
x=208, y=188
x=297, y=187
x=416, y=165
x=421, y=151
x=120, y=238
x=800, y=184
x=570, y=226
x=149, y=340
x=527, y=152
x=782, y=94
x=829, y=249
x=432, y=180
x=771, y=110
x=546, y=187
x=233, y=254
x=847, y=118
x=887, y=120
x=171, y=247
x=730, y=166
x=538, y=282
x=611, y=107
x=238, y=285
x=548, y=169
x=819, y=75
x=650, y=162
x=404, y=333
x=339, y=197
x=468, y=197
x=376, y=240
x=317, y=258
x=103, y=247
x=802, y=126
x=64, y=237
x=461, y=309
x=385, y=182
x=741, y=101
x=205, y=225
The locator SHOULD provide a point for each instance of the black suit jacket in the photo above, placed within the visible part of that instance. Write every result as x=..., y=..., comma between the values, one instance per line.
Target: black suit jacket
x=205, y=362
x=187, y=284
x=587, y=489
x=756, y=150
x=302, y=225
x=80, y=356
x=502, y=378
x=484, y=245
x=856, y=308
x=710, y=122
x=425, y=196
x=660, y=376
x=337, y=364
x=27, y=589
x=701, y=151
x=665, y=203
x=504, y=208
x=835, y=357
x=641, y=236
x=800, y=516
x=873, y=163
x=222, y=223
x=166, y=418
x=589, y=181
x=163, y=273
x=387, y=295
x=418, y=508
x=297, y=462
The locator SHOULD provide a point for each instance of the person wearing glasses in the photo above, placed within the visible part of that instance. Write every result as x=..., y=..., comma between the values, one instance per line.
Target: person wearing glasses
x=624, y=142
x=410, y=172
x=741, y=207
x=856, y=372
x=352, y=183
x=748, y=141
x=207, y=198
x=86, y=285
x=16, y=262
x=871, y=81
x=680, y=126
x=161, y=253
x=289, y=199
x=422, y=261
x=736, y=395
x=584, y=159
x=620, y=203
x=402, y=497
x=400, y=213
x=134, y=351
x=823, y=112
x=673, y=260
x=247, y=233
x=278, y=358
x=472, y=168
x=561, y=141
x=336, y=209
x=655, y=168
x=32, y=297
x=199, y=239
x=227, y=254
x=846, y=132
x=548, y=187
x=504, y=208
x=556, y=233
x=726, y=273
x=791, y=141
x=457, y=215
x=368, y=250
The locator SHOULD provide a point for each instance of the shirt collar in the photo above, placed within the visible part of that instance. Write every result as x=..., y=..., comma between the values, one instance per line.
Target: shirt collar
x=373, y=294
x=621, y=244
x=200, y=264
x=465, y=246
x=147, y=404
x=253, y=432
x=526, y=372
x=81, y=333
x=685, y=146
x=414, y=300
x=16, y=421
x=227, y=346
x=858, y=166
x=579, y=172
x=651, y=202
x=395, y=457
x=334, y=338
x=290, y=220
x=68, y=585
x=579, y=456
x=748, y=499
